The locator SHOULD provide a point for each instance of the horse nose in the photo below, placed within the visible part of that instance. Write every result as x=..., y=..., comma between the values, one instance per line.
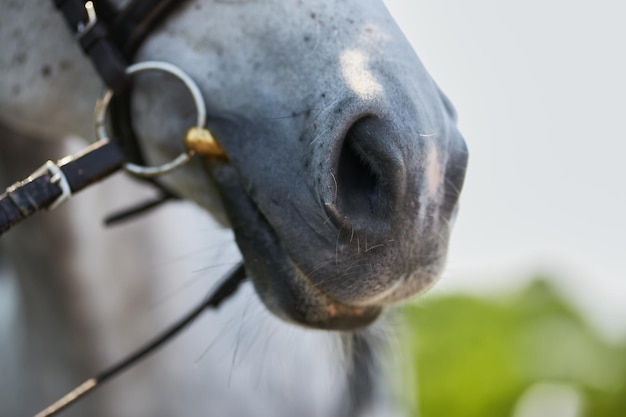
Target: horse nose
x=369, y=177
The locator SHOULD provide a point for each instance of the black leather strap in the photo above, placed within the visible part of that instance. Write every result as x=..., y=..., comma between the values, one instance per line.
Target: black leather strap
x=93, y=36
x=25, y=198
x=110, y=37
x=137, y=20
x=111, y=41
x=129, y=29
x=44, y=187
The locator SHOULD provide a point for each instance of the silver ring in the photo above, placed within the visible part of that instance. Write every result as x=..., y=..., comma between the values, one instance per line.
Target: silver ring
x=102, y=106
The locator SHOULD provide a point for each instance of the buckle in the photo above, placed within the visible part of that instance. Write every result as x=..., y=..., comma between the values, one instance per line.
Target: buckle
x=83, y=28
x=56, y=177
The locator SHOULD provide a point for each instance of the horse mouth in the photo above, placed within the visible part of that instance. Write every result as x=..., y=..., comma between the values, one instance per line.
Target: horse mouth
x=282, y=286
x=307, y=305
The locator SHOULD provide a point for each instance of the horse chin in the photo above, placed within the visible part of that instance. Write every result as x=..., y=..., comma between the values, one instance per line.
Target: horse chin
x=291, y=296
x=284, y=289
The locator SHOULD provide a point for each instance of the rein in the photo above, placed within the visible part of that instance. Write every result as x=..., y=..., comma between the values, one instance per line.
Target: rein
x=110, y=38
x=225, y=289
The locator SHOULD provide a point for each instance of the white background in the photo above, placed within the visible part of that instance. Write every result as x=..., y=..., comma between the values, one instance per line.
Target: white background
x=540, y=90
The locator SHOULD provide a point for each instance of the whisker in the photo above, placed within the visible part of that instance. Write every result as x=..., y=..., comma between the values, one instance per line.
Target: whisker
x=451, y=184
x=374, y=247
x=319, y=136
x=237, y=342
x=337, y=246
x=336, y=187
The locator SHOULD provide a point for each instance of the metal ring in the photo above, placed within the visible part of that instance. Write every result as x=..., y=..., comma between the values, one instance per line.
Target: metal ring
x=103, y=103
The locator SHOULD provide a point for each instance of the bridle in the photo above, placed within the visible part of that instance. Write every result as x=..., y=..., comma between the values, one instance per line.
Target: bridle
x=110, y=38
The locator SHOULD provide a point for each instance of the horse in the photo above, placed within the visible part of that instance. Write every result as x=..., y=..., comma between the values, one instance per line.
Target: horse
x=344, y=170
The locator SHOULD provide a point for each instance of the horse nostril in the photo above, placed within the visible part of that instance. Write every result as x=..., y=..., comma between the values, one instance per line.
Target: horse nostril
x=365, y=176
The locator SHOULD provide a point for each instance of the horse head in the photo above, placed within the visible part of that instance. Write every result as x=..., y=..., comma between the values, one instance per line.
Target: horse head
x=345, y=162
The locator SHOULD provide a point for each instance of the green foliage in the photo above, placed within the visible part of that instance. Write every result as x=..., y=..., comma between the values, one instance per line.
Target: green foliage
x=475, y=357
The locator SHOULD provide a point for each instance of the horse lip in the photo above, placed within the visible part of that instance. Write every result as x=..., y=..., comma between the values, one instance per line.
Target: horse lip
x=283, y=287
x=335, y=315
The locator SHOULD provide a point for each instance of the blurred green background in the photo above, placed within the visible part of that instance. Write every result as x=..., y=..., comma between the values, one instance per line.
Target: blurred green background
x=524, y=354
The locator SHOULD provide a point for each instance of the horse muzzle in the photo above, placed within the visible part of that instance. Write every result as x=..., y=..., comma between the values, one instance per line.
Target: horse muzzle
x=282, y=286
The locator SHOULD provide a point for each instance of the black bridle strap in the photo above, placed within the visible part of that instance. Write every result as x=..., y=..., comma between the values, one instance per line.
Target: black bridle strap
x=129, y=28
x=110, y=37
x=92, y=32
x=136, y=21
x=54, y=182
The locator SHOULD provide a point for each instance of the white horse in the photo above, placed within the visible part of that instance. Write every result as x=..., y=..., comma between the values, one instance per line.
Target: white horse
x=345, y=166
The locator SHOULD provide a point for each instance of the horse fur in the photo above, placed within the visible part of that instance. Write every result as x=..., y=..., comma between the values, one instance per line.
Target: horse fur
x=345, y=161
